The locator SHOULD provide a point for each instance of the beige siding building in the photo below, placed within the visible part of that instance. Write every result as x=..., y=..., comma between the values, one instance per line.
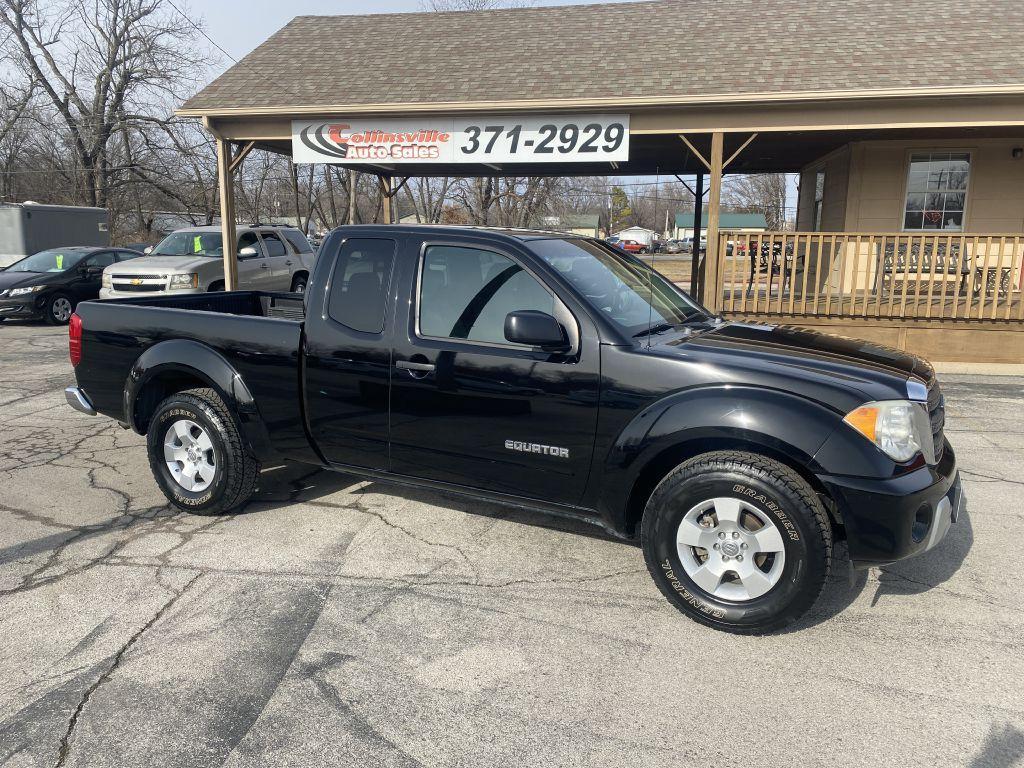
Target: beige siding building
x=880, y=186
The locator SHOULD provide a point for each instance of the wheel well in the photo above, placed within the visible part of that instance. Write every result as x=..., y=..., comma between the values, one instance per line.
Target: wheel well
x=300, y=273
x=216, y=285
x=160, y=387
x=670, y=458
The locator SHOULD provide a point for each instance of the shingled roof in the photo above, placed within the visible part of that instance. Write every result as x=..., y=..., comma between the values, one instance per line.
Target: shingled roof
x=668, y=51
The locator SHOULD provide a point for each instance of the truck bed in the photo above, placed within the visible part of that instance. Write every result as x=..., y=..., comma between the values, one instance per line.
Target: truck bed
x=283, y=306
x=259, y=334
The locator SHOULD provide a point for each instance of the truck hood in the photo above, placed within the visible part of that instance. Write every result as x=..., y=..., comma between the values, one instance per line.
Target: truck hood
x=147, y=265
x=769, y=351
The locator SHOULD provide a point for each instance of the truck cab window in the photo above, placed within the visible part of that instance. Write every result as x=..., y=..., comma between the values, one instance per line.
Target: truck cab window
x=465, y=293
x=359, y=283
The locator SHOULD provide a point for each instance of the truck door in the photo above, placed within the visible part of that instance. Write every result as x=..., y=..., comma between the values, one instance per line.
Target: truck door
x=470, y=408
x=348, y=353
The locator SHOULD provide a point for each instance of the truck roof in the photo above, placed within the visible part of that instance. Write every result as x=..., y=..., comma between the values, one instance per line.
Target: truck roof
x=434, y=229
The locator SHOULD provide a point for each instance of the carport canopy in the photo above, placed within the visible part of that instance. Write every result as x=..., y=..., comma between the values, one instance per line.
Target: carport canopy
x=709, y=86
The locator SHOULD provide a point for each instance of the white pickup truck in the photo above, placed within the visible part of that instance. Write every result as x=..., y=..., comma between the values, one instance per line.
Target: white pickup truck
x=270, y=258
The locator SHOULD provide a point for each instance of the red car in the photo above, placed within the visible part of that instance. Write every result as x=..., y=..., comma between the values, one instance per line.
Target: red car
x=632, y=246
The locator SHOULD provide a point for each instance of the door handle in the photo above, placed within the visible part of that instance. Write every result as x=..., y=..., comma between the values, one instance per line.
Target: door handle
x=289, y=262
x=264, y=266
x=406, y=365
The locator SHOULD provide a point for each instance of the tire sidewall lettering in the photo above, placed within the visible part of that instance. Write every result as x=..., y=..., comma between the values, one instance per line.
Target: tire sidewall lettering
x=676, y=498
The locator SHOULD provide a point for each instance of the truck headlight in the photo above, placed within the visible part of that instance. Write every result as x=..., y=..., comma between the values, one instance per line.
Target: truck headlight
x=901, y=429
x=29, y=289
x=189, y=280
x=106, y=282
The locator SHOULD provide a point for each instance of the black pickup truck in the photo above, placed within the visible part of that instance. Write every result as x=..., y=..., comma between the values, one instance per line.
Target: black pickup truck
x=551, y=372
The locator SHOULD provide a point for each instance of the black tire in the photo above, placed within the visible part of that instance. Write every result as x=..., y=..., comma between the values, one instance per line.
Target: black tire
x=237, y=470
x=57, y=309
x=776, y=492
x=299, y=284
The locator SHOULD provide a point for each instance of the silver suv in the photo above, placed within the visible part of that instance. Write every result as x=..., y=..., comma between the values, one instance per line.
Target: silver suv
x=270, y=258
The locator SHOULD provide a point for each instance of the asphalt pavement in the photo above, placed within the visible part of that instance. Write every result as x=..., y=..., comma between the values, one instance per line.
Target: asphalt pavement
x=339, y=622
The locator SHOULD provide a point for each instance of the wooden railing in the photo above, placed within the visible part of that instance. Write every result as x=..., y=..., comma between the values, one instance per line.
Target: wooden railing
x=872, y=275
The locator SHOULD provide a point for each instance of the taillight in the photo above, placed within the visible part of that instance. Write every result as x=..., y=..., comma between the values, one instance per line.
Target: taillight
x=75, y=339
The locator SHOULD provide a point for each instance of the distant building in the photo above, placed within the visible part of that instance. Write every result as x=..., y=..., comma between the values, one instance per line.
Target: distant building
x=586, y=224
x=640, y=234
x=731, y=222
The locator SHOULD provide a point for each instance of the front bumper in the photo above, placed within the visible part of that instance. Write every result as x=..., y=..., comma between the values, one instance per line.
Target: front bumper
x=25, y=307
x=892, y=519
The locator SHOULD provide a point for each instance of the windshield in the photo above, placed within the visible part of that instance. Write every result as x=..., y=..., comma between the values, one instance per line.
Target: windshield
x=190, y=244
x=48, y=261
x=620, y=286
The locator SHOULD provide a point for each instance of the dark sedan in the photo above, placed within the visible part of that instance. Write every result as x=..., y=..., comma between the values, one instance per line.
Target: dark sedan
x=49, y=284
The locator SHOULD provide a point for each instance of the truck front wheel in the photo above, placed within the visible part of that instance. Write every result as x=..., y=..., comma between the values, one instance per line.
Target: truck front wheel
x=197, y=454
x=737, y=541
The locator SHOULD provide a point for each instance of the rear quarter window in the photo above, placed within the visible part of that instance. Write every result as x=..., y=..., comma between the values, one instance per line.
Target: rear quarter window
x=298, y=241
x=359, y=283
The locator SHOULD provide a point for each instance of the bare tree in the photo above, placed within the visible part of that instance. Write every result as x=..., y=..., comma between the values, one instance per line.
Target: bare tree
x=760, y=193
x=101, y=64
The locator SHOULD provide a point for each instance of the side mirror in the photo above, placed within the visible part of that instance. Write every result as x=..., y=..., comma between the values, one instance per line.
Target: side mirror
x=536, y=329
x=248, y=252
x=148, y=249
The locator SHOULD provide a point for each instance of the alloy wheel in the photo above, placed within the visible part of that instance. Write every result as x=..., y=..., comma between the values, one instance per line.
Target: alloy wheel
x=731, y=549
x=190, y=456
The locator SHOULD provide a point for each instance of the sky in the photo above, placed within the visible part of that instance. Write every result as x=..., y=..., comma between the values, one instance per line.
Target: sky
x=238, y=26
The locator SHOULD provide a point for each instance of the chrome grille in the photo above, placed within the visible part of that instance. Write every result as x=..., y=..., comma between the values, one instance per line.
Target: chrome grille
x=138, y=283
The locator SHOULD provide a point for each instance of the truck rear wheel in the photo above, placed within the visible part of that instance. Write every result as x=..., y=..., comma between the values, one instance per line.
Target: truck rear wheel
x=737, y=541
x=197, y=454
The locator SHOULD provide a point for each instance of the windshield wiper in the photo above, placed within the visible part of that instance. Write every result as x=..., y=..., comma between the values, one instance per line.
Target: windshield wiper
x=659, y=328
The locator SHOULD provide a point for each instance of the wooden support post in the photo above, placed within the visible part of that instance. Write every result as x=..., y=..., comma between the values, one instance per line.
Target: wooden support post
x=712, y=293
x=698, y=214
x=228, y=230
x=385, y=190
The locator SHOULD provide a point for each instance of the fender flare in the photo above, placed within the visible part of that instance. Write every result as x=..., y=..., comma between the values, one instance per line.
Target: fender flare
x=193, y=358
x=719, y=415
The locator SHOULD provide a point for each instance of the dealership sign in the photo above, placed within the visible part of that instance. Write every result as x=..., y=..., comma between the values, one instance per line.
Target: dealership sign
x=492, y=140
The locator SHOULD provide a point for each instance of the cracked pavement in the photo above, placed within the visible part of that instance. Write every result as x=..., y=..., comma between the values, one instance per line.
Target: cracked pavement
x=345, y=622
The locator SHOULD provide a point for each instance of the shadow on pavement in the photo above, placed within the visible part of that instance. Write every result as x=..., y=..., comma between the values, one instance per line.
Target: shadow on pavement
x=930, y=569
x=483, y=508
x=1004, y=747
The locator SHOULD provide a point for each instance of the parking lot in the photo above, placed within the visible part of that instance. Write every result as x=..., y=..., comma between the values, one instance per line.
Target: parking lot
x=343, y=622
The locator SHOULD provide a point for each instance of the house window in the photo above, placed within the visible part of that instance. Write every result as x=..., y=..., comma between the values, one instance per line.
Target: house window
x=937, y=190
x=819, y=198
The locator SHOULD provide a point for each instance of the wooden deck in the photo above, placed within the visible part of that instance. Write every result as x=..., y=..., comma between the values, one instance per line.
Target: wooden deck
x=892, y=306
